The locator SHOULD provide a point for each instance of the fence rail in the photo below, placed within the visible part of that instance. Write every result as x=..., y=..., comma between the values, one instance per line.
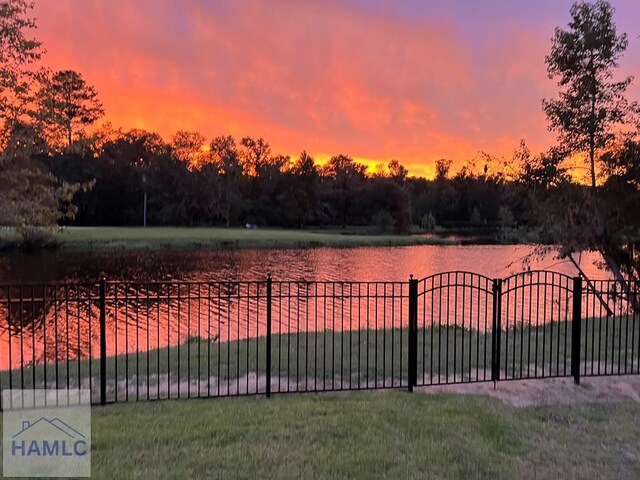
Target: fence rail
x=131, y=341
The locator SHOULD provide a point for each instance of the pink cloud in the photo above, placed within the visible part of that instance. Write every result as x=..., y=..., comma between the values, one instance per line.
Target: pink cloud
x=320, y=76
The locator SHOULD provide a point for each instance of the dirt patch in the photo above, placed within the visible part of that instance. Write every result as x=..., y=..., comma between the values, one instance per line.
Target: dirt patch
x=518, y=393
x=551, y=391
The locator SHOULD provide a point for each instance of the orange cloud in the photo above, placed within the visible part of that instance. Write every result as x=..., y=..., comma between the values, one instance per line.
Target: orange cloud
x=322, y=76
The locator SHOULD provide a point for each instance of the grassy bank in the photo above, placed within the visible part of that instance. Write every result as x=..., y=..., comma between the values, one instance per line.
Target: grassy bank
x=340, y=360
x=158, y=238
x=364, y=435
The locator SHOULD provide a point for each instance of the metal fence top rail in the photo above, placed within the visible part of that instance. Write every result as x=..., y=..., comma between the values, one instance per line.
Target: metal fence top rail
x=455, y=273
x=539, y=272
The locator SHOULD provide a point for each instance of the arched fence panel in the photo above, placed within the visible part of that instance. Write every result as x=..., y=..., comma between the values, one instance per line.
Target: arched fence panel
x=536, y=325
x=455, y=316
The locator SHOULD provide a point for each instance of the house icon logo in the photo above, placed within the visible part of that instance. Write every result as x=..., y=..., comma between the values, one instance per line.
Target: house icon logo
x=46, y=433
x=48, y=437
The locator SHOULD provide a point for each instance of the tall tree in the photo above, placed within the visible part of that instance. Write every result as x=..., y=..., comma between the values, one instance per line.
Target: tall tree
x=302, y=195
x=18, y=52
x=397, y=172
x=33, y=199
x=225, y=154
x=442, y=168
x=188, y=147
x=583, y=58
x=255, y=153
x=68, y=104
x=346, y=177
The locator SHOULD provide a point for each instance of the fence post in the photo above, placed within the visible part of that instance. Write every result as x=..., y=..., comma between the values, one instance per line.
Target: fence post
x=103, y=342
x=496, y=325
x=575, y=329
x=268, y=367
x=412, y=370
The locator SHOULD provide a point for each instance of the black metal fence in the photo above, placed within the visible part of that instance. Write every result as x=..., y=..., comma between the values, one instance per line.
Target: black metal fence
x=154, y=340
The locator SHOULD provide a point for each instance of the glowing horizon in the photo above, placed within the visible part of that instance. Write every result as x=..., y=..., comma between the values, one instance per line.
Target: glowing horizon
x=372, y=80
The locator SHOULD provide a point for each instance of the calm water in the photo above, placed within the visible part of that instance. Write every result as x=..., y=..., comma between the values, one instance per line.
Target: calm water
x=359, y=264
x=61, y=322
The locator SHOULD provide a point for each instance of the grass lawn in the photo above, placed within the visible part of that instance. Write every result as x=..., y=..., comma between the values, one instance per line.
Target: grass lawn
x=155, y=238
x=364, y=435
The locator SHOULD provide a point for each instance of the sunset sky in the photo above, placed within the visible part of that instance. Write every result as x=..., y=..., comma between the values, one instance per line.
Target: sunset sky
x=415, y=80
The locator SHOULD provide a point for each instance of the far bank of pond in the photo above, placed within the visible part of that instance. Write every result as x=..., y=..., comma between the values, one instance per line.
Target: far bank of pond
x=105, y=239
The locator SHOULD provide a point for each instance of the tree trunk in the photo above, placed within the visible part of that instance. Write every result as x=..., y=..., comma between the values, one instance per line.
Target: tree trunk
x=592, y=162
x=590, y=285
x=592, y=126
x=592, y=142
x=632, y=297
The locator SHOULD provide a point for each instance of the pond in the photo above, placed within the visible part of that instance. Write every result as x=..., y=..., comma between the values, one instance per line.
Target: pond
x=334, y=264
x=314, y=290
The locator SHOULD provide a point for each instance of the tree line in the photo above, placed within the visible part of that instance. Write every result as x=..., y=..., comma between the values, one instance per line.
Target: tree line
x=237, y=182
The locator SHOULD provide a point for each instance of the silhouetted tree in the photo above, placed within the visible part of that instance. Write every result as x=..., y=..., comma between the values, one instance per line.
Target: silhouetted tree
x=442, y=168
x=188, y=147
x=381, y=199
x=397, y=172
x=346, y=177
x=302, y=195
x=225, y=155
x=583, y=58
x=254, y=153
x=67, y=104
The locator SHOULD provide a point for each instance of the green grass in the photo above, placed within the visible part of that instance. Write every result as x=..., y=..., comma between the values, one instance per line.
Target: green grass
x=336, y=360
x=362, y=436
x=157, y=238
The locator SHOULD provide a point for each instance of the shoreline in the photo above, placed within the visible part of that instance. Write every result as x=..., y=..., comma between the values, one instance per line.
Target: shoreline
x=119, y=239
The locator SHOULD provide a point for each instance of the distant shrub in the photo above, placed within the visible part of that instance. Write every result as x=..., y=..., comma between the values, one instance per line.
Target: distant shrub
x=476, y=218
x=507, y=221
x=384, y=221
x=505, y=215
x=35, y=238
x=428, y=221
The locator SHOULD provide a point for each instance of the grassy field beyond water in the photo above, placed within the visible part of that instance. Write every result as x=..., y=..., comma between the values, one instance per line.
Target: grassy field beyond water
x=154, y=238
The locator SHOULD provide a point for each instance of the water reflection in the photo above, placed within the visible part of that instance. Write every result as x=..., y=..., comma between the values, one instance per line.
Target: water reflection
x=45, y=323
x=356, y=264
